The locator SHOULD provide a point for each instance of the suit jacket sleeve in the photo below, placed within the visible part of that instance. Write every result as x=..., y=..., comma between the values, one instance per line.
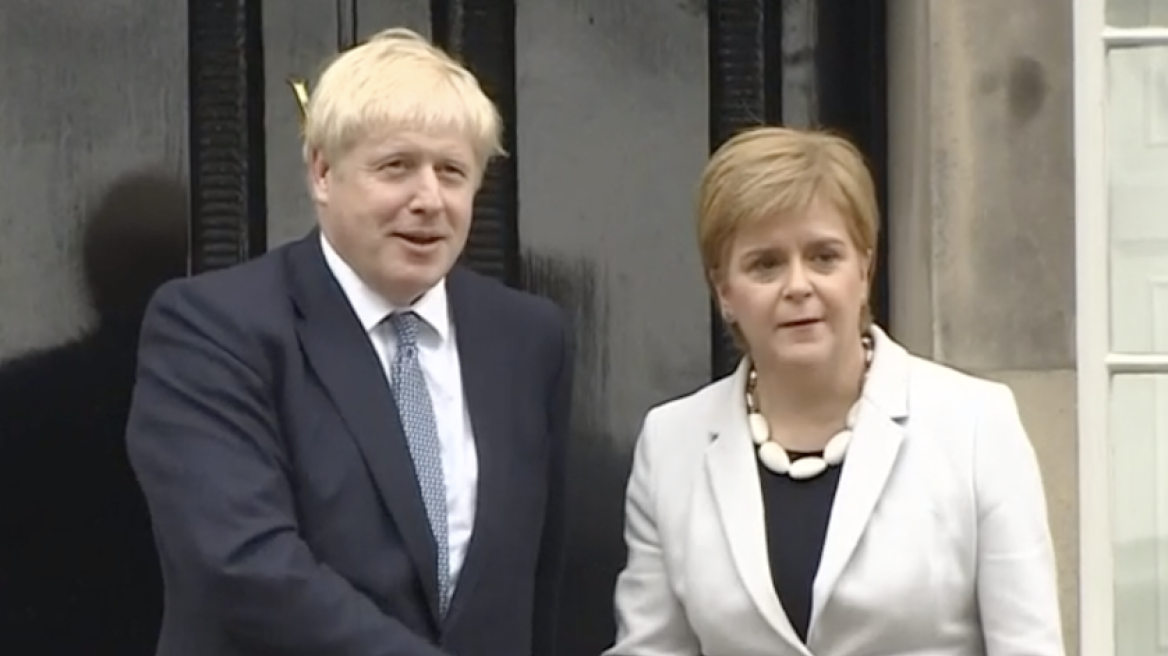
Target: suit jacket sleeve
x=1017, y=585
x=650, y=619
x=203, y=438
x=549, y=575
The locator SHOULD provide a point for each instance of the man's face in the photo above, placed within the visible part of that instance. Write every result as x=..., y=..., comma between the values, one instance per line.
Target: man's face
x=398, y=207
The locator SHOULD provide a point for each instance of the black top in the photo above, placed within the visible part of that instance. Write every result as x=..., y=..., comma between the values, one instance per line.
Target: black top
x=797, y=513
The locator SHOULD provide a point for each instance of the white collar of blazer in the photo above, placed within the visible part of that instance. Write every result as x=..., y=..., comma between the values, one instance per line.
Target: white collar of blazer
x=876, y=440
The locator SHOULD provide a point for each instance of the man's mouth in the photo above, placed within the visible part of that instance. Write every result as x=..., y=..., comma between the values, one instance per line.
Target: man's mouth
x=420, y=238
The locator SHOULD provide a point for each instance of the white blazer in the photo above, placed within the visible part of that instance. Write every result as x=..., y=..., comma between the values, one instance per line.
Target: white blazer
x=938, y=543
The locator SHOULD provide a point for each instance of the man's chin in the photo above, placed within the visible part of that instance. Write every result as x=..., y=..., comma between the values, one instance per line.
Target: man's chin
x=403, y=284
x=404, y=258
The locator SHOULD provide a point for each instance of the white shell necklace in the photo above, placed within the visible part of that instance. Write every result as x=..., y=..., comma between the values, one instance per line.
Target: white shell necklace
x=775, y=458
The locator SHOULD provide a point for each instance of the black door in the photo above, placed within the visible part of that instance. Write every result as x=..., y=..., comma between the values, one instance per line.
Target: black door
x=612, y=107
x=93, y=216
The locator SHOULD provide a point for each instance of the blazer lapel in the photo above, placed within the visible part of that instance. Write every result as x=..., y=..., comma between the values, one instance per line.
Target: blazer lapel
x=340, y=353
x=871, y=457
x=484, y=361
x=733, y=475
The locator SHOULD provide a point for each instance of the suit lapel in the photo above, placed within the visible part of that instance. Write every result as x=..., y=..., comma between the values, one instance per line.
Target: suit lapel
x=871, y=458
x=733, y=475
x=340, y=353
x=483, y=359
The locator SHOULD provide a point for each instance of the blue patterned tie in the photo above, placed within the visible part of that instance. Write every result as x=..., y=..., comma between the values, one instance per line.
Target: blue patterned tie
x=421, y=428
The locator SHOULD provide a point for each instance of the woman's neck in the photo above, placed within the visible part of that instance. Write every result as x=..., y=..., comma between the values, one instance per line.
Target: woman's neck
x=810, y=395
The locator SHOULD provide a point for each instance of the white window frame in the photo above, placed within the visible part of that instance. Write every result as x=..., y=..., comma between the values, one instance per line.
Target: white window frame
x=1093, y=39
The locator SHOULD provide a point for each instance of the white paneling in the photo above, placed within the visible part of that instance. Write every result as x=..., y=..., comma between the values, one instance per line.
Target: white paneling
x=1137, y=13
x=1160, y=314
x=1139, y=466
x=1137, y=141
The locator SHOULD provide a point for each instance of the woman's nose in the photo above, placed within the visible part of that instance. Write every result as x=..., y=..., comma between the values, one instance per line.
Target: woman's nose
x=798, y=281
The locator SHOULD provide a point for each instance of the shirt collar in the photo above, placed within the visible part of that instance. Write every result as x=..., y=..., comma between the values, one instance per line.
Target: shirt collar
x=372, y=309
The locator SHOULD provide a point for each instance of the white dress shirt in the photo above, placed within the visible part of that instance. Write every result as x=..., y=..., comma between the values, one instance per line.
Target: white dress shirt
x=438, y=355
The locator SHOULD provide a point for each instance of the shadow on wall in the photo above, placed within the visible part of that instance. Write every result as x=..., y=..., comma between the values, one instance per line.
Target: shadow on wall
x=78, y=569
x=598, y=464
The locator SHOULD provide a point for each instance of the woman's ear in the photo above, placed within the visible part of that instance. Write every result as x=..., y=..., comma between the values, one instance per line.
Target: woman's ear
x=719, y=289
x=868, y=265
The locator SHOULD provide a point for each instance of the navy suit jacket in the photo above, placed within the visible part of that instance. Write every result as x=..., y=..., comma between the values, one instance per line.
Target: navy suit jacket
x=285, y=506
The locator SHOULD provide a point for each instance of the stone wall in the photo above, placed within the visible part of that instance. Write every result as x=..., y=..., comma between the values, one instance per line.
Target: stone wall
x=981, y=217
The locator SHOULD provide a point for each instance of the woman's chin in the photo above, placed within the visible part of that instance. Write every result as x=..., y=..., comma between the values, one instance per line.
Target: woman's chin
x=803, y=354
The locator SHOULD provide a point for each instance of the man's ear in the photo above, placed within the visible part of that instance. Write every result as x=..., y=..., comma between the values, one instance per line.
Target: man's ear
x=318, y=177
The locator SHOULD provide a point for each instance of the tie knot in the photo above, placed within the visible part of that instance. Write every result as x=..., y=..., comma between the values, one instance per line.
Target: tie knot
x=405, y=325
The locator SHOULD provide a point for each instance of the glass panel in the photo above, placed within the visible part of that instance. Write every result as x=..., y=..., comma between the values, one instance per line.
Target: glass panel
x=1137, y=142
x=1139, y=474
x=1137, y=13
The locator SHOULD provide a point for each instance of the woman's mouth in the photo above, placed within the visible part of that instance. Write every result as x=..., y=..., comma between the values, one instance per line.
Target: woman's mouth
x=799, y=323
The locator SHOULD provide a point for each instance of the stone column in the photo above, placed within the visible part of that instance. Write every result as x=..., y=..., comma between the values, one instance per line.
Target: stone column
x=981, y=217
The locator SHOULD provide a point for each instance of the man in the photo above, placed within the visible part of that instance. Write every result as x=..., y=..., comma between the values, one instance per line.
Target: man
x=352, y=446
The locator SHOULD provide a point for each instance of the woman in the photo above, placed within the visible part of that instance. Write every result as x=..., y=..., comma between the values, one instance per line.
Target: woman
x=834, y=496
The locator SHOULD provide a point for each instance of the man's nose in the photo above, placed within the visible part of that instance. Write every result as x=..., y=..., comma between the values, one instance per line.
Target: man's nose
x=427, y=191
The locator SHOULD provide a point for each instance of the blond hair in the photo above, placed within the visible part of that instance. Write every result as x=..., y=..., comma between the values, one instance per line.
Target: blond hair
x=398, y=80
x=765, y=173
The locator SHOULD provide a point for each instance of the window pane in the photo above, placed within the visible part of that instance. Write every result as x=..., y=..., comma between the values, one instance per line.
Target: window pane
x=1138, y=205
x=1139, y=474
x=1137, y=13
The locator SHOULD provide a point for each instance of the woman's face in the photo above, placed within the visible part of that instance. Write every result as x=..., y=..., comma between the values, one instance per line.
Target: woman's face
x=796, y=287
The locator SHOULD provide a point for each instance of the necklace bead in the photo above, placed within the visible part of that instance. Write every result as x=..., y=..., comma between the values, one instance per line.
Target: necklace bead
x=775, y=458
